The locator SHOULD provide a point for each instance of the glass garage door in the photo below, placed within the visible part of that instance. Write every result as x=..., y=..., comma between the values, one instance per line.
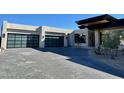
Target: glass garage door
x=54, y=41
x=22, y=41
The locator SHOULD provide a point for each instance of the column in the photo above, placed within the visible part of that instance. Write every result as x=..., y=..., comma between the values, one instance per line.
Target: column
x=4, y=35
x=42, y=37
x=65, y=40
x=97, y=38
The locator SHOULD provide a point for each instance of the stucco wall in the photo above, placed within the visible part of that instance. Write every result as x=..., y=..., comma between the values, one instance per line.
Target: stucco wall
x=57, y=30
x=21, y=27
x=81, y=31
x=26, y=29
x=16, y=28
x=46, y=29
x=97, y=38
x=4, y=35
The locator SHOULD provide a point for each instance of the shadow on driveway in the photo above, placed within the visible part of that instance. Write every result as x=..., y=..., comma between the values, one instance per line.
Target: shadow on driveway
x=81, y=56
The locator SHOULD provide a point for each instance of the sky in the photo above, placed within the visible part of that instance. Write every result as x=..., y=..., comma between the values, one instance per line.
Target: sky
x=66, y=21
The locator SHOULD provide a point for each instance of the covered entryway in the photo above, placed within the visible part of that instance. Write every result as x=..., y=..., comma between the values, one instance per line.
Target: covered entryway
x=54, y=41
x=22, y=40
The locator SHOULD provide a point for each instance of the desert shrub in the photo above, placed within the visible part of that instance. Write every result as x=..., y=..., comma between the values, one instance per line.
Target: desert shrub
x=111, y=40
x=97, y=50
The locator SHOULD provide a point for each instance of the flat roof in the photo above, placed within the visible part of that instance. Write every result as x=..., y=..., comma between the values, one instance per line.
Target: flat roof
x=34, y=28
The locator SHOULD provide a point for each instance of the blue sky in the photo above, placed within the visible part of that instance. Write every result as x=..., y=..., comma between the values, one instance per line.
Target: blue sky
x=57, y=20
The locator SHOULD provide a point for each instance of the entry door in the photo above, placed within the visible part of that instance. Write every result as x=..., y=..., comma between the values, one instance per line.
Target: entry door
x=54, y=41
x=91, y=38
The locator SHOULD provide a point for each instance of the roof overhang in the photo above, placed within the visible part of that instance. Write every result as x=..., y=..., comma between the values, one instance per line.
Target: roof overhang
x=103, y=21
x=117, y=23
x=96, y=19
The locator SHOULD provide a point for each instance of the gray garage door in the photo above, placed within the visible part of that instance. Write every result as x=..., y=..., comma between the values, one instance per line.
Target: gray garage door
x=54, y=41
x=22, y=41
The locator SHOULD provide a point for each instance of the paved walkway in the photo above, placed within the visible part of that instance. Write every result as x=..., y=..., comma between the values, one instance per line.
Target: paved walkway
x=60, y=63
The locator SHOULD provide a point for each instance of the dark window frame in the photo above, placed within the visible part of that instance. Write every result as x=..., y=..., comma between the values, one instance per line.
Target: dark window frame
x=80, y=38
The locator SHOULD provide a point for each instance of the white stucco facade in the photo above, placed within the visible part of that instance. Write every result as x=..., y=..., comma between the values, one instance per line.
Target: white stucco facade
x=81, y=31
x=42, y=31
x=26, y=29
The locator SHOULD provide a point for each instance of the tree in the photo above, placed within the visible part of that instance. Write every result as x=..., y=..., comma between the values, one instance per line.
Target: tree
x=111, y=40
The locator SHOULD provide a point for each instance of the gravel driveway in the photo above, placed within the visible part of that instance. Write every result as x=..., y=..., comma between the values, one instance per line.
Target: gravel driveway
x=53, y=63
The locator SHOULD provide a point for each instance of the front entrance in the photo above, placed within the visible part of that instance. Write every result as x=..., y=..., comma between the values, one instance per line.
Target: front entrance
x=91, y=38
x=54, y=41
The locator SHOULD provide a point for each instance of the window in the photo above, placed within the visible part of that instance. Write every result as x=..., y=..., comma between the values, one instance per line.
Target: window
x=80, y=38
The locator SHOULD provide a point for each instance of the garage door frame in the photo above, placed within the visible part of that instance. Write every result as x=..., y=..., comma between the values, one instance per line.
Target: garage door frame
x=54, y=41
x=15, y=40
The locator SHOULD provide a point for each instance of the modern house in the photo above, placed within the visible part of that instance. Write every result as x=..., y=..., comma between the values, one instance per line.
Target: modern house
x=98, y=26
x=22, y=36
x=90, y=34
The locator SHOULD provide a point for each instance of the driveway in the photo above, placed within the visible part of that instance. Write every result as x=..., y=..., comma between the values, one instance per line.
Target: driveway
x=53, y=63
